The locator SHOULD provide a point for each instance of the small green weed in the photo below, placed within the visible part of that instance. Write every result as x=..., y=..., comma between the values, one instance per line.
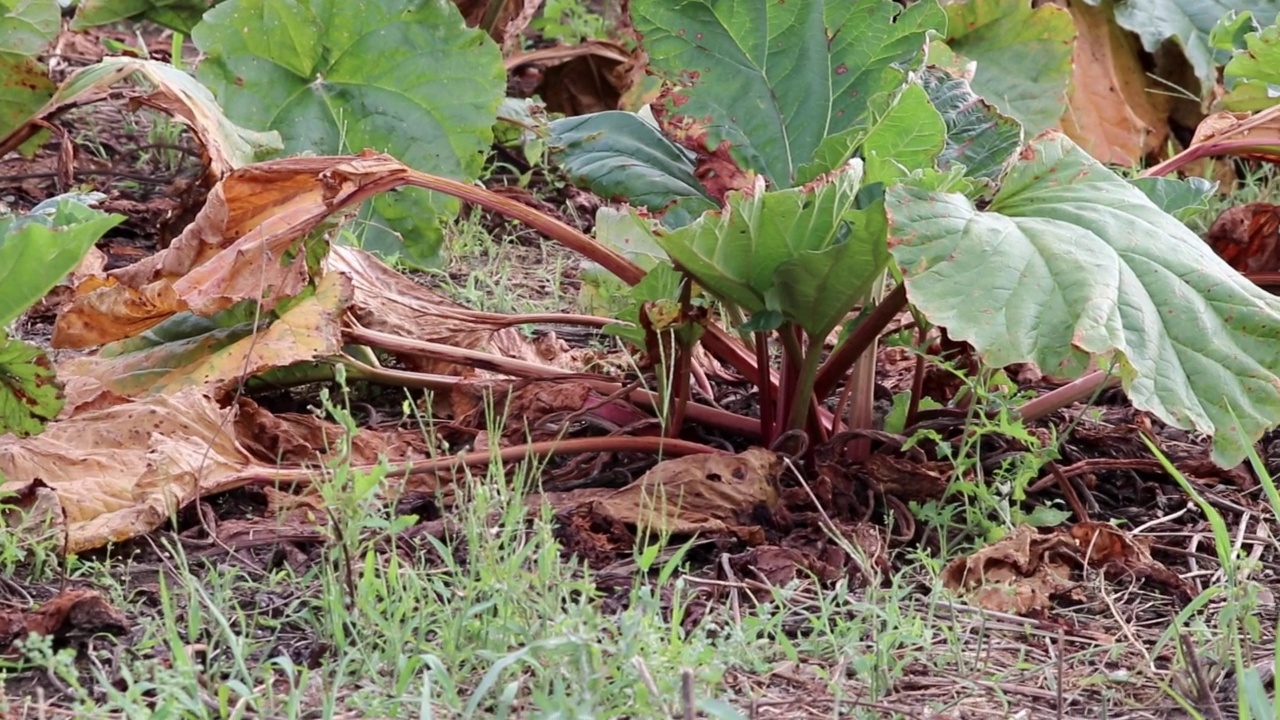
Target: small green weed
x=985, y=499
x=569, y=21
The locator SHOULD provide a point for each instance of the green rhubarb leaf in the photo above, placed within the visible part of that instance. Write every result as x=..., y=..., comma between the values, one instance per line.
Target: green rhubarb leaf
x=618, y=155
x=39, y=248
x=776, y=79
x=789, y=253
x=1232, y=31
x=26, y=26
x=1071, y=262
x=660, y=286
x=1252, y=76
x=1023, y=56
x=818, y=288
x=630, y=235
x=29, y=393
x=1181, y=198
x=405, y=77
x=24, y=87
x=909, y=136
x=180, y=15
x=979, y=138
x=1189, y=23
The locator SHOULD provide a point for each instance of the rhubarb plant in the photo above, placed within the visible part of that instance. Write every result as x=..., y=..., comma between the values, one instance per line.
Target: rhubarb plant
x=839, y=165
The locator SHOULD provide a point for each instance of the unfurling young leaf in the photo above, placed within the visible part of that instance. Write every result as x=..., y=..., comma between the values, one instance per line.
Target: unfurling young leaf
x=781, y=251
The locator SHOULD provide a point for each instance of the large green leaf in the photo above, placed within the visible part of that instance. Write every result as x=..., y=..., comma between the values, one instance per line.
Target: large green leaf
x=1189, y=23
x=1070, y=261
x=1023, y=56
x=909, y=136
x=400, y=76
x=777, y=79
x=38, y=249
x=771, y=252
x=978, y=136
x=618, y=155
x=26, y=26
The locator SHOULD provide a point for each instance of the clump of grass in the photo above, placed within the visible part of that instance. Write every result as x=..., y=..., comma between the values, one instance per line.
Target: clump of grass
x=1218, y=636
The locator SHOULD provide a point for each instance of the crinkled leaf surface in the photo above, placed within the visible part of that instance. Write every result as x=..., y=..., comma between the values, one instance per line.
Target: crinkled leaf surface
x=819, y=287
x=1188, y=22
x=1252, y=76
x=29, y=393
x=618, y=155
x=401, y=76
x=978, y=136
x=1023, y=56
x=659, y=285
x=38, y=249
x=1070, y=261
x=761, y=252
x=776, y=79
x=188, y=351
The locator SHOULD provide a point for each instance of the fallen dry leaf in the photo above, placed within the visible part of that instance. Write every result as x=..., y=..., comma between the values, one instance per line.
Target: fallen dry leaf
x=779, y=566
x=810, y=551
x=121, y=471
x=1248, y=237
x=590, y=77
x=504, y=21
x=1121, y=555
x=1024, y=571
x=73, y=611
x=387, y=301
x=217, y=358
x=713, y=494
x=1019, y=574
x=1111, y=112
x=538, y=409
x=299, y=440
x=243, y=244
x=908, y=479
